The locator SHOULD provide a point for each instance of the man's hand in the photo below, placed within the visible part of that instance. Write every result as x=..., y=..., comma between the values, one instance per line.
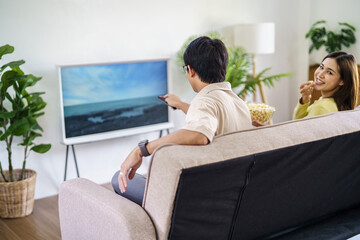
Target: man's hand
x=175, y=101
x=131, y=163
x=134, y=160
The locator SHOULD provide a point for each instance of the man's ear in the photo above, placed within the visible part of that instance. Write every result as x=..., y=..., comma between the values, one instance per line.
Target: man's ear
x=191, y=71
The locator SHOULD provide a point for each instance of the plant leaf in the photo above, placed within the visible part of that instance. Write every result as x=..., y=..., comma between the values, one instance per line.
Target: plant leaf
x=21, y=128
x=37, y=127
x=14, y=66
x=238, y=67
x=318, y=22
x=29, y=140
x=14, y=129
x=348, y=35
x=6, y=49
x=41, y=148
x=347, y=25
x=7, y=115
x=7, y=79
x=27, y=81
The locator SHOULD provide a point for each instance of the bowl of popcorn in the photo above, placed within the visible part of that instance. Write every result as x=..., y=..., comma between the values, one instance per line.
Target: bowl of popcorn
x=260, y=112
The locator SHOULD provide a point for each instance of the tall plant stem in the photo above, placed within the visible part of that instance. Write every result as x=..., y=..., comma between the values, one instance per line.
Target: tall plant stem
x=22, y=171
x=8, y=147
x=24, y=162
x=2, y=174
x=9, y=159
x=7, y=143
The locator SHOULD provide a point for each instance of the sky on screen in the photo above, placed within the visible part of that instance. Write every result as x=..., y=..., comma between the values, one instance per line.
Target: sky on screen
x=102, y=83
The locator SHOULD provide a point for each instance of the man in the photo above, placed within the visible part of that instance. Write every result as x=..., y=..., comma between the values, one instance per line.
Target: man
x=215, y=110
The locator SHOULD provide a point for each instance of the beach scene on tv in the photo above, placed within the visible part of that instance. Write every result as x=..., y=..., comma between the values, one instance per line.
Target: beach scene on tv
x=103, y=98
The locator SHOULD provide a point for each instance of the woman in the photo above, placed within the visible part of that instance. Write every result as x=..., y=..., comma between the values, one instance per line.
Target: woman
x=337, y=79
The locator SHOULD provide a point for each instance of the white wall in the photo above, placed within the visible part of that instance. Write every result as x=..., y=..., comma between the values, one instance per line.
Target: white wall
x=46, y=33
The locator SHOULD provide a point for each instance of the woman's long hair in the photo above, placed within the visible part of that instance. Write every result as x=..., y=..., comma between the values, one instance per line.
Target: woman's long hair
x=347, y=96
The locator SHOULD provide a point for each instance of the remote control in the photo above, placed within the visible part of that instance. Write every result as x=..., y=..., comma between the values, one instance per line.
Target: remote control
x=163, y=100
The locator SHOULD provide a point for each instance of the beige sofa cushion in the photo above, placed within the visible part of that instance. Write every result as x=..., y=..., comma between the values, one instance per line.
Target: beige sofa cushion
x=169, y=160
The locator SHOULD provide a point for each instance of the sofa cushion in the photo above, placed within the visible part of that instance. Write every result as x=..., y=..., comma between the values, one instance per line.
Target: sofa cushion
x=171, y=161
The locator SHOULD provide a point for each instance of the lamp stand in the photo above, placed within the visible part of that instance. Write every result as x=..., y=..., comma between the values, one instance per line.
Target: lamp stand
x=261, y=85
x=253, y=74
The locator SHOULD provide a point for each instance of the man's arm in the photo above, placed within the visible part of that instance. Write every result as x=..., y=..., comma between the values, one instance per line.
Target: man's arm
x=134, y=159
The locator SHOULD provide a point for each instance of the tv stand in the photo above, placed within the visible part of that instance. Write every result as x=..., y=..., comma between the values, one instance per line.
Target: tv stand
x=161, y=131
x=66, y=160
x=73, y=150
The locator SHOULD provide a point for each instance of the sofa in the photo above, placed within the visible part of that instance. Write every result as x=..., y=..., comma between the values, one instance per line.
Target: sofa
x=293, y=180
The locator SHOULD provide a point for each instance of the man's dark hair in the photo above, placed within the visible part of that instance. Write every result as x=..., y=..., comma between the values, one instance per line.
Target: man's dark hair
x=209, y=59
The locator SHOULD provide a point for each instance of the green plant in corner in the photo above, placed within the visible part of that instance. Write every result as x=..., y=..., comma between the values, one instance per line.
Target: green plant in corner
x=19, y=110
x=320, y=36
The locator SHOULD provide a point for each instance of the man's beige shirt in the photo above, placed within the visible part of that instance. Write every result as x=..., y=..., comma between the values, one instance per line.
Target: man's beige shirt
x=216, y=110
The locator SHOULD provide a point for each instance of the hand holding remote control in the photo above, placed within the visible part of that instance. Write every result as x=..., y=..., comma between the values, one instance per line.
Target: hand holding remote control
x=164, y=101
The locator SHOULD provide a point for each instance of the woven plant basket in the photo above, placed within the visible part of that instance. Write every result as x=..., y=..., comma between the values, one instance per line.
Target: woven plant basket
x=17, y=198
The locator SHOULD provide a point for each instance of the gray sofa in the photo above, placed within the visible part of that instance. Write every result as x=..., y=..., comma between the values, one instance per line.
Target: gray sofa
x=294, y=180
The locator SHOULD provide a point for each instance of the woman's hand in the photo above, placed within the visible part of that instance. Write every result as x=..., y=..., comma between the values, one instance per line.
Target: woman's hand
x=306, y=90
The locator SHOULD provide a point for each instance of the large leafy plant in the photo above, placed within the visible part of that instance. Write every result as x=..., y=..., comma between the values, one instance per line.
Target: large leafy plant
x=238, y=69
x=237, y=73
x=19, y=110
x=320, y=35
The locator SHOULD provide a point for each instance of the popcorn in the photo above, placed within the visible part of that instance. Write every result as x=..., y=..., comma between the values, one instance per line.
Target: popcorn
x=260, y=112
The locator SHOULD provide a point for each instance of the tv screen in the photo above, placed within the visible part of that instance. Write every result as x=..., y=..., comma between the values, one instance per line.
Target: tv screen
x=102, y=101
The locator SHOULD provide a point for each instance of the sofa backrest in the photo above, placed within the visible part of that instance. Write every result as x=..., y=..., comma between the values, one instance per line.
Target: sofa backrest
x=256, y=182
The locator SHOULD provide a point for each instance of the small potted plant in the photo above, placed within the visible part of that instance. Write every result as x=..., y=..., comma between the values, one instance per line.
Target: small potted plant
x=19, y=110
x=331, y=40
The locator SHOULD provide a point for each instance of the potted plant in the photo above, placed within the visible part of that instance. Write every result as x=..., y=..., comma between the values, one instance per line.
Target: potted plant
x=238, y=69
x=332, y=41
x=19, y=110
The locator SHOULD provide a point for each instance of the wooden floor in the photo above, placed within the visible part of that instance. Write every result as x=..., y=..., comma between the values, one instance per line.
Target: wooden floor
x=42, y=224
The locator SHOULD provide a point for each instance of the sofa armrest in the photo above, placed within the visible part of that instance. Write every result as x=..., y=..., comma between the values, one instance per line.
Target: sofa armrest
x=90, y=211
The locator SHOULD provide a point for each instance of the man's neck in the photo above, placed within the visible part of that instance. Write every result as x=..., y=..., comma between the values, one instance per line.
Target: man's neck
x=200, y=85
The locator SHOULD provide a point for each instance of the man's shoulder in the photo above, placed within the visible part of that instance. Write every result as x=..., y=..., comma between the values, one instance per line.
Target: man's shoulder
x=206, y=99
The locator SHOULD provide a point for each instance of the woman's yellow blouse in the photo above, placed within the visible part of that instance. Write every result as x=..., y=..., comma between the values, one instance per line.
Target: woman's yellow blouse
x=319, y=107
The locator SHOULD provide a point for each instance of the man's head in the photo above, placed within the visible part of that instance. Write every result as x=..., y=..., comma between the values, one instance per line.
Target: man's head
x=208, y=58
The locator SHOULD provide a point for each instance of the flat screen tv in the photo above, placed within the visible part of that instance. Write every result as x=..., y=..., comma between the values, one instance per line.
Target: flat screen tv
x=109, y=100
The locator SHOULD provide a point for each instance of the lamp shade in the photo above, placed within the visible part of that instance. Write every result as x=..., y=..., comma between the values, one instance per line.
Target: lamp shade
x=256, y=38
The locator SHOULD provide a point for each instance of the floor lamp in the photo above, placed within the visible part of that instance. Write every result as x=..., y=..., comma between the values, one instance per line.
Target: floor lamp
x=256, y=38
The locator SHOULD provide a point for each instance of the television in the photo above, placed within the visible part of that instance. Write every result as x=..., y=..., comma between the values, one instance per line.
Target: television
x=109, y=100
